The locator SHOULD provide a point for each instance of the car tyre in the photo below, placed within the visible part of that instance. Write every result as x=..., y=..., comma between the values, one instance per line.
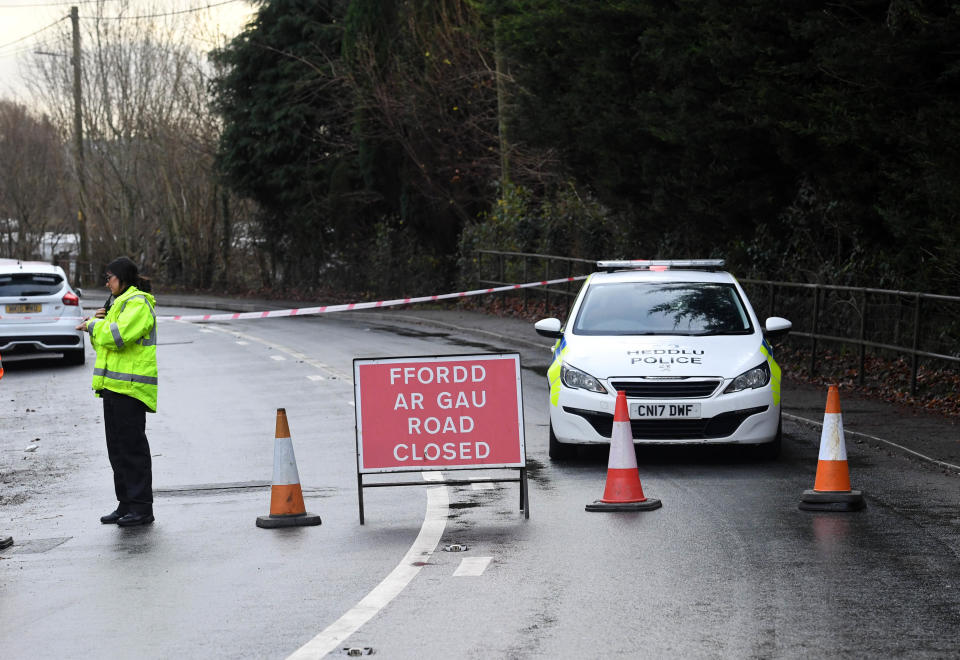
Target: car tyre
x=771, y=450
x=558, y=450
x=75, y=357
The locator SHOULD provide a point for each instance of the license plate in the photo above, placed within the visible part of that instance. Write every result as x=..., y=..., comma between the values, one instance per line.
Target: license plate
x=24, y=308
x=665, y=411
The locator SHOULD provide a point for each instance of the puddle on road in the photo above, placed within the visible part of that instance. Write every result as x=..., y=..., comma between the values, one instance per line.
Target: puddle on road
x=408, y=332
x=536, y=473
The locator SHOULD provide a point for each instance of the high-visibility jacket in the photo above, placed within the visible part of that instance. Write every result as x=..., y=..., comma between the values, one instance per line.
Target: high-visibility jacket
x=126, y=345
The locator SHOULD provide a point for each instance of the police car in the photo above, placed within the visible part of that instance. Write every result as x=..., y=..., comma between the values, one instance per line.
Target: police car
x=681, y=339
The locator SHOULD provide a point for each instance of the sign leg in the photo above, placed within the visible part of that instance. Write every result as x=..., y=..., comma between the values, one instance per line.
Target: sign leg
x=360, y=494
x=524, y=493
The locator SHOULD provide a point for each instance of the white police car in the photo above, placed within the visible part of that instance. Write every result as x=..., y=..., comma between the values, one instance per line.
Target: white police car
x=681, y=339
x=39, y=312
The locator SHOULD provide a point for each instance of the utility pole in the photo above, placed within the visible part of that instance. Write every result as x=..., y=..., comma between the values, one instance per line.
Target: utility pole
x=501, y=108
x=83, y=270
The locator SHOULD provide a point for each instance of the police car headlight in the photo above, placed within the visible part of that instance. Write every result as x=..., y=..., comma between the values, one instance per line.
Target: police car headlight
x=580, y=380
x=756, y=377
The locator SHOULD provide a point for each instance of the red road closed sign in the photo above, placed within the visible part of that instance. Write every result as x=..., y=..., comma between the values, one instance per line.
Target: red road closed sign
x=435, y=413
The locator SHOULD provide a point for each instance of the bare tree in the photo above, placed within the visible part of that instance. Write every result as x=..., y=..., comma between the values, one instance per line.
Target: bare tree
x=32, y=179
x=149, y=138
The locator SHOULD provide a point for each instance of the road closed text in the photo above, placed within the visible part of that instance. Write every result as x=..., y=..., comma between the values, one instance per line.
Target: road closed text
x=442, y=411
x=448, y=450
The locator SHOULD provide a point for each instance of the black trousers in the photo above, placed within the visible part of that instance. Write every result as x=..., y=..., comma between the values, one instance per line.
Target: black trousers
x=125, y=419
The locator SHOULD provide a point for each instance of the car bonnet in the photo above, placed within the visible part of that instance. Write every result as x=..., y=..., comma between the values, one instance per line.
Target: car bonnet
x=607, y=356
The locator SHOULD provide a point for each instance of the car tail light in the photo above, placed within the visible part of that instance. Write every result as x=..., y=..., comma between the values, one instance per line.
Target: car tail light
x=71, y=299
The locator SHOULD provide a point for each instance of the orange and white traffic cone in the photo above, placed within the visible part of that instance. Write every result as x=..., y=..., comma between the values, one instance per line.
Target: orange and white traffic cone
x=831, y=488
x=286, y=497
x=623, y=491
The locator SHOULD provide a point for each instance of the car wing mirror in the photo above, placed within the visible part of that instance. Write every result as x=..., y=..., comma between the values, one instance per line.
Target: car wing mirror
x=549, y=328
x=79, y=292
x=776, y=327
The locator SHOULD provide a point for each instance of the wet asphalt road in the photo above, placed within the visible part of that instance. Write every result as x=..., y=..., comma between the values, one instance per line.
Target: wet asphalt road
x=729, y=567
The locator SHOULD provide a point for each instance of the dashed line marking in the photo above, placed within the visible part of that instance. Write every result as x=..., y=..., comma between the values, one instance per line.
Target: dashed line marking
x=277, y=358
x=472, y=566
x=482, y=486
x=316, y=377
x=332, y=373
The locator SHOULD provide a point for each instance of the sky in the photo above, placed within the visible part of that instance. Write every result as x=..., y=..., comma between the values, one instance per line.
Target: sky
x=20, y=19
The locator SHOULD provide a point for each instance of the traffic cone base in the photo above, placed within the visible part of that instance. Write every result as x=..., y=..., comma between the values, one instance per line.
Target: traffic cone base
x=623, y=491
x=286, y=498
x=292, y=520
x=646, y=505
x=815, y=500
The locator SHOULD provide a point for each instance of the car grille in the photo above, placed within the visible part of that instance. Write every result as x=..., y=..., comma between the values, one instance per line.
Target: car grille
x=720, y=426
x=667, y=389
x=44, y=340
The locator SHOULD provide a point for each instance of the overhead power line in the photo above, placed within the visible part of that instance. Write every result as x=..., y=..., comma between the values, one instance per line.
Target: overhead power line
x=56, y=4
x=169, y=13
x=24, y=38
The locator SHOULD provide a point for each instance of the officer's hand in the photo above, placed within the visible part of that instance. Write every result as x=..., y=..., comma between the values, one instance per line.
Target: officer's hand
x=100, y=313
x=83, y=325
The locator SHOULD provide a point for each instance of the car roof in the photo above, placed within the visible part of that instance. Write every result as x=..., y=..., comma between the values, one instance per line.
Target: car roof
x=673, y=275
x=15, y=266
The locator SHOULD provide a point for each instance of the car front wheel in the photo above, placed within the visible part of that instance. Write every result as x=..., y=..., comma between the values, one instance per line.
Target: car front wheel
x=771, y=450
x=558, y=450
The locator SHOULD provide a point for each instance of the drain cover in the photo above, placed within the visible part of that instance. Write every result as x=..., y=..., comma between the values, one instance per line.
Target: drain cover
x=455, y=547
x=357, y=651
x=36, y=546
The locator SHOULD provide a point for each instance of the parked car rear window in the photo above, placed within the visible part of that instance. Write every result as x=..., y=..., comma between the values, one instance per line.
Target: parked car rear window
x=29, y=284
x=676, y=308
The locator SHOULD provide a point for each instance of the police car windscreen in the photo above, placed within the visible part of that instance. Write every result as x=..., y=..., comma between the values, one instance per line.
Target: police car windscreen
x=642, y=308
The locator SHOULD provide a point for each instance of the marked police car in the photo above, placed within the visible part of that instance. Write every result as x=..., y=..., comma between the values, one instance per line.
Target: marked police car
x=681, y=339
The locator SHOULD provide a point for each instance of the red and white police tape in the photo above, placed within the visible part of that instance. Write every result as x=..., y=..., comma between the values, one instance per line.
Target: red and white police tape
x=327, y=309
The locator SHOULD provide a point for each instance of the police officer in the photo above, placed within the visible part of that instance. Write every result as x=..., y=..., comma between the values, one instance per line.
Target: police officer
x=124, y=335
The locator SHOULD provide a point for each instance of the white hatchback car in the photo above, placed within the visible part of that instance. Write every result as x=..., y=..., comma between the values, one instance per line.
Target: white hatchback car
x=681, y=339
x=39, y=312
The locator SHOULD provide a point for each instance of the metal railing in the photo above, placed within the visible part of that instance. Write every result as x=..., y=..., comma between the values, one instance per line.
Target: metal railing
x=909, y=323
x=903, y=323
x=496, y=268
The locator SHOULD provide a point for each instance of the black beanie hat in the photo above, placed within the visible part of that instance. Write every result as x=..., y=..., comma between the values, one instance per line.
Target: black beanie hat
x=125, y=270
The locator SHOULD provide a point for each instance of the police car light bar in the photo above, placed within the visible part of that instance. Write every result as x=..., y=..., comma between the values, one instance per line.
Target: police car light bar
x=663, y=264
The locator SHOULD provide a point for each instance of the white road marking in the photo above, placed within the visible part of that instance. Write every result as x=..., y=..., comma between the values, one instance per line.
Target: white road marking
x=472, y=566
x=242, y=343
x=277, y=357
x=432, y=476
x=332, y=373
x=419, y=553
x=482, y=486
x=846, y=432
x=316, y=377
